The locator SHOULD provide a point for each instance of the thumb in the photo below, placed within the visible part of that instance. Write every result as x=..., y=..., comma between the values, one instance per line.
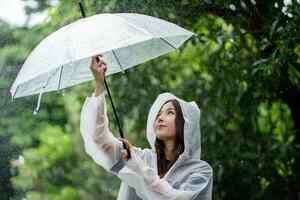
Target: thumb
x=126, y=142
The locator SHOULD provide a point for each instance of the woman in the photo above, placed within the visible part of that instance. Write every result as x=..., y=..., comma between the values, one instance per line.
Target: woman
x=171, y=169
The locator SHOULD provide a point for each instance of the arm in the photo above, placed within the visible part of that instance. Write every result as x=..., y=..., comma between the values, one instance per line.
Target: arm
x=151, y=186
x=99, y=142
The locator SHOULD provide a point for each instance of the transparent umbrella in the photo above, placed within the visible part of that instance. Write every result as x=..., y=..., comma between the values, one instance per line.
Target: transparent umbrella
x=125, y=40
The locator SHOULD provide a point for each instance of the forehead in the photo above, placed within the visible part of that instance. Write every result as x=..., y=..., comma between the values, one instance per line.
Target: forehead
x=167, y=106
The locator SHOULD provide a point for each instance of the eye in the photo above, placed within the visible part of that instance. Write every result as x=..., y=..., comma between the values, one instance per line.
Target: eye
x=158, y=115
x=171, y=112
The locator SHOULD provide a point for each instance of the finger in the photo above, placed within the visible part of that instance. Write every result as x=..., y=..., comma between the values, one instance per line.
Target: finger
x=101, y=69
x=93, y=62
x=95, y=59
x=101, y=63
x=104, y=68
x=97, y=55
x=124, y=154
x=124, y=157
x=126, y=142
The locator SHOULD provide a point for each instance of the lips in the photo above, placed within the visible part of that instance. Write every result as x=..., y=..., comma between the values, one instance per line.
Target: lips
x=161, y=126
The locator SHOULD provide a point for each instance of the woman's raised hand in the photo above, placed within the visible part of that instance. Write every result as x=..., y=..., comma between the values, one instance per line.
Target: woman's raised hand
x=98, y=67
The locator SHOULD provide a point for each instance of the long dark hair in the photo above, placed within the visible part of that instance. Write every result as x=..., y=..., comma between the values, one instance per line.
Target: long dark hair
x=163, y=165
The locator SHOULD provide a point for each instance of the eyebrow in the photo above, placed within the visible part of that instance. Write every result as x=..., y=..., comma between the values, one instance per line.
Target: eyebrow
x=167, y=110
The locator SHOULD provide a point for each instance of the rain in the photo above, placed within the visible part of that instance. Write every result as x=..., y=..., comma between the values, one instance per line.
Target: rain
x=241, y=67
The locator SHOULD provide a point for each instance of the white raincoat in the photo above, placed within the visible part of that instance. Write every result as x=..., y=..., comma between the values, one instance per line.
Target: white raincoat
x=189, y=177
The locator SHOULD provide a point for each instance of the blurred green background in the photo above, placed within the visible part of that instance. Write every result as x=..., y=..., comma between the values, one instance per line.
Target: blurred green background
x=242, y=69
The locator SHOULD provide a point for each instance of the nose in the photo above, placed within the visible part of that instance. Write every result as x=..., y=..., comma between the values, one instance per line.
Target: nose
x=159, y=119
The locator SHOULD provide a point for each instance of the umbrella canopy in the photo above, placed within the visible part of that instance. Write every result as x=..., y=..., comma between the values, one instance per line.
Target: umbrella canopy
x=124, y=39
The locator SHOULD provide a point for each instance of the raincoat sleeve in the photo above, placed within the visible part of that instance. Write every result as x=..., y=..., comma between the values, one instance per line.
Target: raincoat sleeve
x=148, y=185
x=99, y=142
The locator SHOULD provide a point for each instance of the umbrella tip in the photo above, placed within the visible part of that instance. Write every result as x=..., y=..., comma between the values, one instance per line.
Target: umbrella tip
x=82, y=10
x=35, y=112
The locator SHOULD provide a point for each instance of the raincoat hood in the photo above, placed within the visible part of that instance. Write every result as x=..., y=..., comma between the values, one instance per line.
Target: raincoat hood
x=191, y=115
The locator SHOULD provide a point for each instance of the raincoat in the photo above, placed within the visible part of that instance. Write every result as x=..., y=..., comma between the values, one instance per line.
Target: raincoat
x=189, y=177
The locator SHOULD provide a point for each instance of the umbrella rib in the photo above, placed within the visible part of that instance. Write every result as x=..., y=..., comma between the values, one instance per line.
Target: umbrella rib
x=118, y=61
x=61, y=68
x=46, y=83
x=134, y=28
x=168, y=43
x=16, y=91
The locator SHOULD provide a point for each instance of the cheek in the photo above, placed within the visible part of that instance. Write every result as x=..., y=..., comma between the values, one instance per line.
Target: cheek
x=172, y=129
x=154, y=126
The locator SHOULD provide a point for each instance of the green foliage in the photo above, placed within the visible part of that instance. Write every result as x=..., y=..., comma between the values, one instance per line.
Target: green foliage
x=48, y=164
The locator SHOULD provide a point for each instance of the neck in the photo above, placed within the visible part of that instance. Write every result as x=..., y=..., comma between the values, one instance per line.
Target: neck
x=169, y=148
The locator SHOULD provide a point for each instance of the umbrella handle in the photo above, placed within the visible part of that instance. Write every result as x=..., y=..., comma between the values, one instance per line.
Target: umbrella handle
x=125, y=146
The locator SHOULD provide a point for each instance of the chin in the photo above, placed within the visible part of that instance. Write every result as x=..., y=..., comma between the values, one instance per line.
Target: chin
x=162, y=136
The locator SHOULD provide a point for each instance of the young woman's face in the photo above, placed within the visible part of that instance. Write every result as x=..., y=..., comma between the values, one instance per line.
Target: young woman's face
x=165, y=127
